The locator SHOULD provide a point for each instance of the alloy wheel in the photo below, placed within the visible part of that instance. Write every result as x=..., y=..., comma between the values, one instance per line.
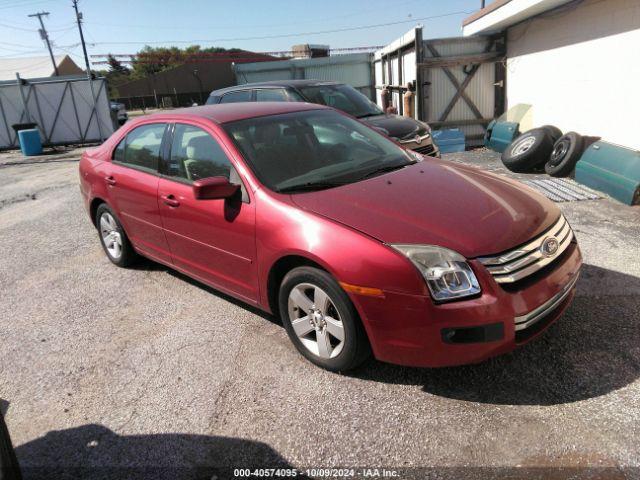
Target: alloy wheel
x=111, y=236
x=316, y=321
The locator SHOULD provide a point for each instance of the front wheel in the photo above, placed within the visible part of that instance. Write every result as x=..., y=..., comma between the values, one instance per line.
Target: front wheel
x=321, y=321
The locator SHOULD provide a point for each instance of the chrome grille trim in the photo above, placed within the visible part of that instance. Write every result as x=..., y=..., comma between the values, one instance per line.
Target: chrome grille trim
x=517, y=264
x=539, y=313
x=411, y=138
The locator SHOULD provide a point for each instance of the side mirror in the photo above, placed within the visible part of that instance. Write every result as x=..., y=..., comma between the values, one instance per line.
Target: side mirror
x=213, y=188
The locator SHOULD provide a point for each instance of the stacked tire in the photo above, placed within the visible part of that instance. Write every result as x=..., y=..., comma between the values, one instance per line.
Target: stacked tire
x=565, y=154
x=544, y=148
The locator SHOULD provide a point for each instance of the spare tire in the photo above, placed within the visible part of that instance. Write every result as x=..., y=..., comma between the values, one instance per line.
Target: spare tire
x=565, y=154
x=554, y=131
x=528, y=151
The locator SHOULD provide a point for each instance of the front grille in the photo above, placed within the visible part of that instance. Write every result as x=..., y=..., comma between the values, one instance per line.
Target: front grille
x=521, y=262
x=426, y=150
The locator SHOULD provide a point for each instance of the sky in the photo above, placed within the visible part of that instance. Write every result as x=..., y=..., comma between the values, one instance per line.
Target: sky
x=123, y=27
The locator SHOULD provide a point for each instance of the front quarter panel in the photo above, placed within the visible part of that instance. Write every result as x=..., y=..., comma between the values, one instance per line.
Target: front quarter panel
x=284, y=229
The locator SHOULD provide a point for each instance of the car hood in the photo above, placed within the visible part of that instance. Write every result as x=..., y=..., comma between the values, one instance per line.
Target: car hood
x=438, y=203
x=396, y=125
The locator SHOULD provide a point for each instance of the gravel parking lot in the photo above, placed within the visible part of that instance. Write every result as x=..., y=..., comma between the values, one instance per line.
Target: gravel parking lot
x=149, y=371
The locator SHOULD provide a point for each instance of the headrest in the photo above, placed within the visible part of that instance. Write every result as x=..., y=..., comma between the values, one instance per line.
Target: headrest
x=199, y=147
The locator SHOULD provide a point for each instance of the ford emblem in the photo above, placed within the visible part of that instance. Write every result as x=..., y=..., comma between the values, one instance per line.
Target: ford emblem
x=549, y=246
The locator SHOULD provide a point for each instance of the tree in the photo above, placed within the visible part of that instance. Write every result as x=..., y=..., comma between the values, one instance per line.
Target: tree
x=152, y=60
x=116, y=74
x=115, y=66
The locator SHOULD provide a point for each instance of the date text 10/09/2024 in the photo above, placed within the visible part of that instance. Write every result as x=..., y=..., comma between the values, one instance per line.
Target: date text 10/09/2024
x=316, y=472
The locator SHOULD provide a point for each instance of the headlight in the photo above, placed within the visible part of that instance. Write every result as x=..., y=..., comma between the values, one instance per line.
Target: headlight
x=447, y=273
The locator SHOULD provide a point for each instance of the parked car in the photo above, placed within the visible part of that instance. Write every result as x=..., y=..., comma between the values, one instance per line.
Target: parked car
x=410, y=133
x=120, y=111
x=357, y=244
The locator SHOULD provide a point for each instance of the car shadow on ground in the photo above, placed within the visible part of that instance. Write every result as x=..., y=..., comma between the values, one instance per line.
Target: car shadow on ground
x=590, y=351
x=151, y=266
x=94, y=451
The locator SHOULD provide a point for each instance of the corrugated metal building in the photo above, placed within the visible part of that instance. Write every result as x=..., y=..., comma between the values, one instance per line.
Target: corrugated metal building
x=456, y=81
x=353, y=69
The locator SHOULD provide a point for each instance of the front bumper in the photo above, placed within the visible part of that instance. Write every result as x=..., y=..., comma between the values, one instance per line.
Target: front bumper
x=412, y=330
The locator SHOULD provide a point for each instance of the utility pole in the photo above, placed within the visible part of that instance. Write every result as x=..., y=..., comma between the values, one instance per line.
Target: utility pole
x=45, y=36
x=86, y=62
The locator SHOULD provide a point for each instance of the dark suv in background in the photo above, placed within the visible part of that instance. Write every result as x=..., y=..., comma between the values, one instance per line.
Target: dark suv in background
x=410, y=133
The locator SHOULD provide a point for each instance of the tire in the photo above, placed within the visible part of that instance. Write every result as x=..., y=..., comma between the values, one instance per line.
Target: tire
x=113, y=238
x=554, y=131
x=565, y=154
x=334, y=316
x=529, y=151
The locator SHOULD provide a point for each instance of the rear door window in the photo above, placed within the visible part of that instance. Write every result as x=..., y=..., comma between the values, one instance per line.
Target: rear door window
x=235, y=97
x=141, y=147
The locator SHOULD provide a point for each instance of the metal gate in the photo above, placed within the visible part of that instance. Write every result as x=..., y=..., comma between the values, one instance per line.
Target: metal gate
x=459, y=82
x=62, y=107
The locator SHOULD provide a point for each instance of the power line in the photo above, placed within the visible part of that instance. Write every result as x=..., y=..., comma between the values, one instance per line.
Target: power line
x=22, y=4
x=17, y=28
x=45, y=37
x=273, y=25
x=286, y=35
x=229, y=53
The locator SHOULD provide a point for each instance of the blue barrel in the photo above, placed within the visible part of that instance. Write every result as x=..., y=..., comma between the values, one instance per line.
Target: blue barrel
x=30, y=143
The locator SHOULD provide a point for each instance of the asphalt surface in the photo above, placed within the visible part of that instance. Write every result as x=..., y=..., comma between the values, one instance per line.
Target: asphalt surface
x=107, y=368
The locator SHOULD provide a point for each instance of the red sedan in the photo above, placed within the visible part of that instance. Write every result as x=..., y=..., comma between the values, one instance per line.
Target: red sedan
x=358, y=245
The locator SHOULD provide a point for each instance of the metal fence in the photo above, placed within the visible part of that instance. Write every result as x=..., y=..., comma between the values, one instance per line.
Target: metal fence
x=163, y=100
x=62, y=108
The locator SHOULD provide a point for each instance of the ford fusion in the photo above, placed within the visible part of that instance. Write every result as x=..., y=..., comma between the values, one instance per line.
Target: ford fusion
x=360, y=246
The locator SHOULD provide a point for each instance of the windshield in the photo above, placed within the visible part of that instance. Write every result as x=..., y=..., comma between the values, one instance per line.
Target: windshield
x=313, y=150
x=343, y=97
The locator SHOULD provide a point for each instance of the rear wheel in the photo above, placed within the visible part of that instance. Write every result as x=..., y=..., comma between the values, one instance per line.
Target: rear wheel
x=321, y=321
x=114, y=240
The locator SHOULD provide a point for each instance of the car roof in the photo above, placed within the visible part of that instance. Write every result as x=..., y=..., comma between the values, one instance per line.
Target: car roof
x=273, y=83
x=231, y=112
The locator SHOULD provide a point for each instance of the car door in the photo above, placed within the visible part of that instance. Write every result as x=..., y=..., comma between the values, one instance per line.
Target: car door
x=212, y=240
x=132, y=180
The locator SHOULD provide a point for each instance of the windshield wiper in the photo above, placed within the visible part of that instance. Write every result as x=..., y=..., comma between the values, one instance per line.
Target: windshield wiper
x=309, y=186
x=384, y=169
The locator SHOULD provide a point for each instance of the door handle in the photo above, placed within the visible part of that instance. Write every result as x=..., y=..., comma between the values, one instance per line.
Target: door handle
x=110, y=180
x=170, y=200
